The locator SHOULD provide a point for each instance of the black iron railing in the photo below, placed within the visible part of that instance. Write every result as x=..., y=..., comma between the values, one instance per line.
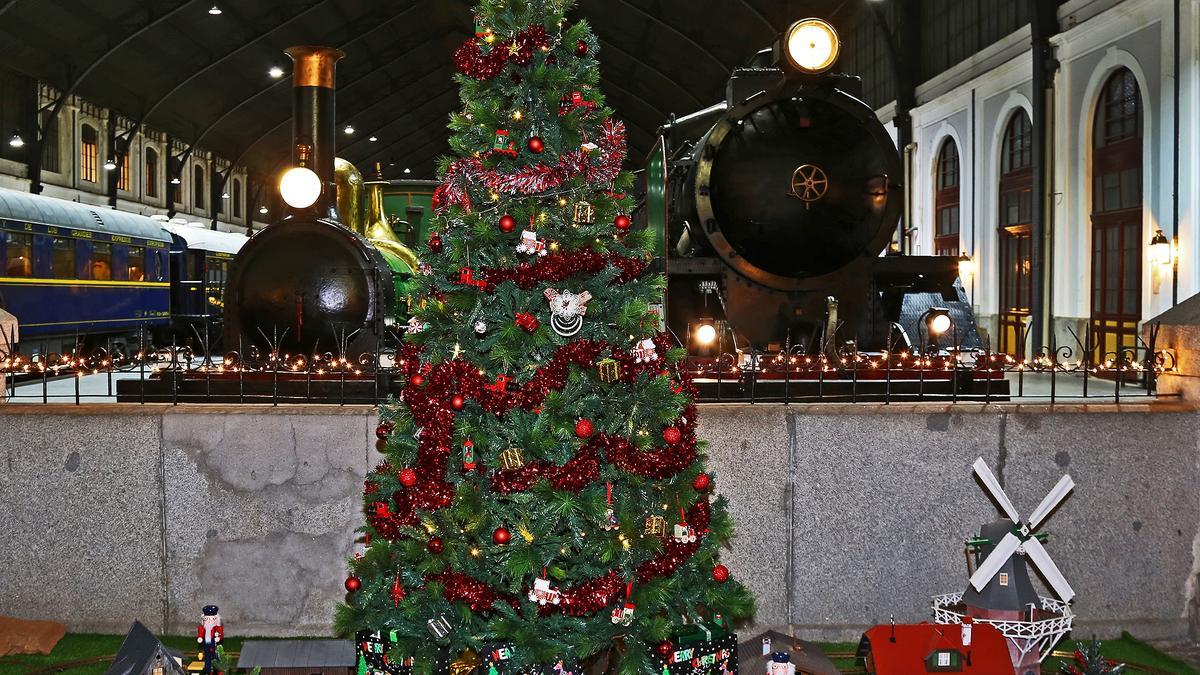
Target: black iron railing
x=185, y=368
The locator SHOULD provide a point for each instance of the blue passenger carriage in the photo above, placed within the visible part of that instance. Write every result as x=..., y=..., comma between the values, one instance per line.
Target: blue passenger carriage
x=70, y=272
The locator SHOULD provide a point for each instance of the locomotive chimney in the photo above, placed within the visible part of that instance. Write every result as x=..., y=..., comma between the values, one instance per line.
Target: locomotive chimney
x=314, y=134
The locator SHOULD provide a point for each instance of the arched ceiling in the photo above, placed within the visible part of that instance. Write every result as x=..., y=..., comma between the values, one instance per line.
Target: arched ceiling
x=174, y=67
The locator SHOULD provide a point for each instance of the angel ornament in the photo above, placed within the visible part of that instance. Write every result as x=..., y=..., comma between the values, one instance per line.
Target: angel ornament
x=567, y=310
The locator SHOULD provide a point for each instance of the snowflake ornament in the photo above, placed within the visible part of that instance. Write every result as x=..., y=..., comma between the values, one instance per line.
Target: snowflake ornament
x=567, y=310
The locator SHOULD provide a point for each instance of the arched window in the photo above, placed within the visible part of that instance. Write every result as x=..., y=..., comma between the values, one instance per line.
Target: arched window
x=151, y=177
x=237, y=198
x=1014, y=232
x=122, y=148
x=198, y=186
x=946, y=211
x=89, y=154
x=1117, y=215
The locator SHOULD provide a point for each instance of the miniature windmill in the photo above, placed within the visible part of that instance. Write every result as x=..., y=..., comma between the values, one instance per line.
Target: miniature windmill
x=1000, y=592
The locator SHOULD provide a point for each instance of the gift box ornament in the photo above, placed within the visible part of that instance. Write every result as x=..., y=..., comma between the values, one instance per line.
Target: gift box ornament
x=438, y=626
x=608, y=370
x=511, y=459
x=585, y=214
x=656, y=525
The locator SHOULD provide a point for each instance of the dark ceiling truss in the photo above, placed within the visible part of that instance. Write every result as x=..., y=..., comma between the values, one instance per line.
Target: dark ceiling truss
x=725, y=70
x=151, y=20
x=373, y=24
x=648, y=66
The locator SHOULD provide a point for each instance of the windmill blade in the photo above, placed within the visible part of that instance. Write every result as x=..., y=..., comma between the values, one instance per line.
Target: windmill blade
x=997, y=492
x=1037, y=553
x=995, y=560
x=1065, y=485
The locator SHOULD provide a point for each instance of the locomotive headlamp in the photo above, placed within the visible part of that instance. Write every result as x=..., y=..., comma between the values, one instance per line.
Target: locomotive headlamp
x=300, y=187
x=937, y=320
x=811, y=46
x=706, y=334
x=1160, y=249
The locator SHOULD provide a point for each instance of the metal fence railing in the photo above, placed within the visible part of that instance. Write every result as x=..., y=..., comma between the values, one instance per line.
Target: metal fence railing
x=186, y=368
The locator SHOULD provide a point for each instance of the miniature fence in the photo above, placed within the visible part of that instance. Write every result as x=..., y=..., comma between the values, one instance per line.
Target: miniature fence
x=187, y=370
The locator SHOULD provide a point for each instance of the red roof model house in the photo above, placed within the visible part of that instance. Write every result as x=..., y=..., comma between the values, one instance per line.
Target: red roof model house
x=909, y=649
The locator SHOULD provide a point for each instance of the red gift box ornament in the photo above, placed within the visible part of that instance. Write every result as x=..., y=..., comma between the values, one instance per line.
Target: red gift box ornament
x=466, y=277
x=500, y=385
x=527, y=321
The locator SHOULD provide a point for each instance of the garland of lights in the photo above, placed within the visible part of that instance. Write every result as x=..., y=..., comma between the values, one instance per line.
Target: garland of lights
x=537, y=178
x=587, y=597
x=552, y=268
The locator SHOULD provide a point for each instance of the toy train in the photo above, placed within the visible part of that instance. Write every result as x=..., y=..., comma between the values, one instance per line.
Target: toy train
x=777, y=205
x=75, y=274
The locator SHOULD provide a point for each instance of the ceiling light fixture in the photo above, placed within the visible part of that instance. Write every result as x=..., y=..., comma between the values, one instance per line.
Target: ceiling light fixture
x=175, y=180
x=275, y=71
x=407, y=170
x=373, y=139
x=16, y=141
x=214, y=10
x=110, y=164
x=262, y=210
x=349, y=130
x=224, y=195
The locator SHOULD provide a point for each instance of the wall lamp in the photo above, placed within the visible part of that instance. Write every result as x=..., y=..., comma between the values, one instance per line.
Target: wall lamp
x=1161, y=250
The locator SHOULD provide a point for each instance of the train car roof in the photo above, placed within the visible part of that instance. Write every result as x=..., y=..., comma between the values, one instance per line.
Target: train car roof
x=208, y=240
x=30, y=208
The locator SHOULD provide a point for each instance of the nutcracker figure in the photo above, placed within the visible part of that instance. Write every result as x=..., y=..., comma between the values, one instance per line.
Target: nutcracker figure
x=209, y=635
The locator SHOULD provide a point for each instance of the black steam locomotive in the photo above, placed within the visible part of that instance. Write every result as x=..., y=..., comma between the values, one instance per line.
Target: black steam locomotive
x=778, y=204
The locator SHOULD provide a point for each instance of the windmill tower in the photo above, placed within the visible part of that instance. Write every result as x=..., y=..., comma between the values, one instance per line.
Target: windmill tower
x=1000, y=591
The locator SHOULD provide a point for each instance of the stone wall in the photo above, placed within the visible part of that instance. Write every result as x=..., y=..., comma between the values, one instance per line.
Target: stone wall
x=846, y=514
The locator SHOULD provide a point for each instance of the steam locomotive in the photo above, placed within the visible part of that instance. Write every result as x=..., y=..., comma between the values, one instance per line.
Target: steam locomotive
x=776, y=206
x=328, y=277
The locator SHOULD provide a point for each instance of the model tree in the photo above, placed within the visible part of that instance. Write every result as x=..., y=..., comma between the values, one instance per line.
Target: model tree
x=543, y=487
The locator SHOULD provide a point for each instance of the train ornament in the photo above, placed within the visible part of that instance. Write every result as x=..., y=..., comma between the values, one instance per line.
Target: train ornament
x=776, y=205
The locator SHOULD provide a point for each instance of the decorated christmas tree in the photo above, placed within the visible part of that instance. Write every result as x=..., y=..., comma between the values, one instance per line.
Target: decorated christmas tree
x=543, y=499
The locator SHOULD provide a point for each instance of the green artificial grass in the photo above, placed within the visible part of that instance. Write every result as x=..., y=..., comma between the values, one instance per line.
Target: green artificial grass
x=80, y=646
x=1127, y=649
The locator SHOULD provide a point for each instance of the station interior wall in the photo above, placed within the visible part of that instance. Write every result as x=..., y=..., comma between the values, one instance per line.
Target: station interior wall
x=845, y=515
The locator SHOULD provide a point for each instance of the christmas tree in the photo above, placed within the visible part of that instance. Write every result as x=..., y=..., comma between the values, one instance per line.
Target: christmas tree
x=542, y=488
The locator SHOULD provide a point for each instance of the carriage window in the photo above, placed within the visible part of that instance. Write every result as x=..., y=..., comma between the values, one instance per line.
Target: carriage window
x=89, y=154
x=102, y=261
x=18, y=260
x=137, y=263
x=62, y=261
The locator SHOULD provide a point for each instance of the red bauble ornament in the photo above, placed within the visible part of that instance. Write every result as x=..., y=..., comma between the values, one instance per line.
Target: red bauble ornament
x=408, y=477
x=435, y=545
x=501, y=536
x=702, y=482
x=457, y=402
x=581, y=48
x=353, y=583
x=435, y=243
x=622, y=222
x=536, y=145
x=382, y=431
x=672, y=435
x=665, y=649
x=416, y=380
x=721, y=573
x=584, y=428
x=507, y=223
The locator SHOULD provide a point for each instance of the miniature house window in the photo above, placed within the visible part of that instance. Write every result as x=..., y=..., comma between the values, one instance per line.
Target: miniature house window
x=1004, y=578
x=943, y=659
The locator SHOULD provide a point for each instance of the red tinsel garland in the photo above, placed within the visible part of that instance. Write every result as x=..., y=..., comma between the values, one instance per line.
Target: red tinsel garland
x=478, y=595
x=555, y=267
x=576, y=474
x=600, y=166
x=472, y=62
